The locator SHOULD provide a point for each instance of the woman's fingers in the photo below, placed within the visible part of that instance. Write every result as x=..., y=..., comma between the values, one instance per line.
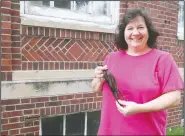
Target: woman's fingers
x=99, y=71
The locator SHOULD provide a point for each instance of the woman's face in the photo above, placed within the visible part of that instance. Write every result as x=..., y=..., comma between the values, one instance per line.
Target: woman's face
x=136, y=33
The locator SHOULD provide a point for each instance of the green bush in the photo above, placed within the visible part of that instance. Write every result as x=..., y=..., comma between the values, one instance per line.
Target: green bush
x=178, y=131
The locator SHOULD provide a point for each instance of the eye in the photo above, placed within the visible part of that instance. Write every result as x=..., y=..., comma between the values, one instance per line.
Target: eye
x=130, y=28
x=141, y=27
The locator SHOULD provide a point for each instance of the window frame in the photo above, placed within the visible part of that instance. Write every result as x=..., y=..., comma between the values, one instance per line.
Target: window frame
x=180, y=25
x=70, y=19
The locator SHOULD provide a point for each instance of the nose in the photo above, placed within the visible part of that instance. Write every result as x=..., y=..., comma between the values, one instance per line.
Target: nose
x=135, y=32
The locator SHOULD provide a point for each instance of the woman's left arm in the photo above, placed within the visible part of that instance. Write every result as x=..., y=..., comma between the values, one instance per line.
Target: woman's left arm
x=165, y=101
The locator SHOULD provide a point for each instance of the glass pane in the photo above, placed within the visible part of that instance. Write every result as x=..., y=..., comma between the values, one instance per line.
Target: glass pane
x=62, y=4
x=181, y=19
x=93, y=121
x=52, y=126
x=100, y=8
x=75, y=124
x=81, y=6
x=46, y=3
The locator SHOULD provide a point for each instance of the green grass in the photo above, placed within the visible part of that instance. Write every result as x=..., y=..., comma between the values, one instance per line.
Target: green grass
x=178, y=131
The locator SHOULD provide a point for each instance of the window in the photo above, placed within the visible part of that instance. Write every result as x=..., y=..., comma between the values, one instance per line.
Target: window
x=96, y=14
x=52, y=126
x=82, y=123
x=180, y=31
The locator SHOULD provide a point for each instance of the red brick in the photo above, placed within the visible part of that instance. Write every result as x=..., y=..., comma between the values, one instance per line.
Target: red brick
x=15, y=26
x=6, y=4
x=48, y=111
x=27, y=100
x=28, y=112
x=66, y=97
x=6, y=50
x=75, y=101
x=5, y=18
x=4, y=133
x=65, y=102
x=42, y=111
x=53, y=111
x=15, y=119
x=40, y=104
x=14, y=132
x=58, y=110
x=36, y=111
x=6, y=37
x=56, y=103
x=5, y=25
x=40, y=99
x=6, y=44
x=4, y=121
x=82, y=100
x=98, y=99
x=6, y=62
x=90, y=99
x=25, y=106
x=5, y=31
x=10, y=102
x=9, y=108
x=12, y=126
x=30, y=129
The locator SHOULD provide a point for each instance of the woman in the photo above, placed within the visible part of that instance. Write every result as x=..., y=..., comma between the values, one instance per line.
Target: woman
x=147, y=77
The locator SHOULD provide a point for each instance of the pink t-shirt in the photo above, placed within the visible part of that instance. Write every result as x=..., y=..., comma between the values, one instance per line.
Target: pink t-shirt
x=140, y=79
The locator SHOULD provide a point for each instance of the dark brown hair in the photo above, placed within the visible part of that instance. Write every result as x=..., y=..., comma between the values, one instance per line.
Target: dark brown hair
x=130, y=15
x=109, y=78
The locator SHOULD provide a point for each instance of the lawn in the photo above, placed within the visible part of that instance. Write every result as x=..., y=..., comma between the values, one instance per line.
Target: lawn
x=178, y=131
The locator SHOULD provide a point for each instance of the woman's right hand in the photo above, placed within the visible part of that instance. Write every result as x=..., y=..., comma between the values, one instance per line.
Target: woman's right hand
x=98, y=72
x=98, y=80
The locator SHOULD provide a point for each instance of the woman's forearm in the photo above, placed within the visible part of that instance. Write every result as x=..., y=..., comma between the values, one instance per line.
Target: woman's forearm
x=97, y=84
x=165, y=101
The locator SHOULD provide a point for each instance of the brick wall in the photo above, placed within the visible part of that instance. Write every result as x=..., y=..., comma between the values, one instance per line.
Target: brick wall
x=40, y=48
x=54, y=48
x=22, y=116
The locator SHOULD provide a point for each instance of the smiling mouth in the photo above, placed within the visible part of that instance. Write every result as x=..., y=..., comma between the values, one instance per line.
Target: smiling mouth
x=136, y=39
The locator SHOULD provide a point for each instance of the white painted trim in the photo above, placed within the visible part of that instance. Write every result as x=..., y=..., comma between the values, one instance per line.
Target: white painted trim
x=51, y=75
x=41, y=21
x=64, y=125
x=85, y=126
x=40, y=127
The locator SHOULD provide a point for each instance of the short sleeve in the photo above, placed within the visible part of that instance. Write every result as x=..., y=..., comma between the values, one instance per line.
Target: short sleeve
x=169, y=75
x=107, y=59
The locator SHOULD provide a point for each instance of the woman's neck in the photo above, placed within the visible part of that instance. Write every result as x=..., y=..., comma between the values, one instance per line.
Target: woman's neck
x=137, y=51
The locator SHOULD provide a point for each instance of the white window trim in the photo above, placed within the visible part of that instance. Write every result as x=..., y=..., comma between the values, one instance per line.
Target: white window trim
x=180, y=29
x=76, y=23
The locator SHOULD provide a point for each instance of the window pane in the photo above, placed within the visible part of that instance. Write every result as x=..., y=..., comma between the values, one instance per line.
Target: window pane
x=81, y=6
x=46, y=3
x=181, y=20
x=75, y=124
x=52, y=126
x=62, y=4
x=93, y=121
x=100, y=8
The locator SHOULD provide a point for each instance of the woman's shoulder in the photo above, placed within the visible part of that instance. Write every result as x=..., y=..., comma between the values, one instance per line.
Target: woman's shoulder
x=113, y=54
x=161, y=54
